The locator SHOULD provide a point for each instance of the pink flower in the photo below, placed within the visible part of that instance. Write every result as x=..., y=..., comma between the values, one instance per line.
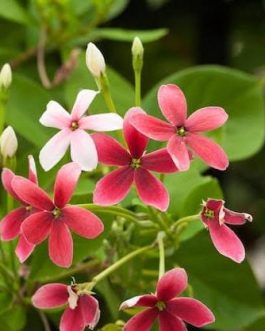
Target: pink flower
x=171, y=312
x=182, y=133
x=134, y=167
x=55, y=218
x=215, y=217
x=82, y=311
x=10, y=226
x=72, y=132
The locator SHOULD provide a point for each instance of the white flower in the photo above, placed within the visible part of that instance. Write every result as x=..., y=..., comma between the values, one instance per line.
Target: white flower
x=8, y=142
x=95, y=60
x=5, y=76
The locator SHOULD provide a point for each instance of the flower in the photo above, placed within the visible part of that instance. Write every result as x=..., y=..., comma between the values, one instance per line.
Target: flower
x=171, y=312
x=215, y=217
x=137, y=47
x=72, y=132
x=8, y=142
x=5, y=76
x=95, y=60
x=134, y=167
x=10, y=226
x=183, y=133
x=82, y=311
x=55, y=218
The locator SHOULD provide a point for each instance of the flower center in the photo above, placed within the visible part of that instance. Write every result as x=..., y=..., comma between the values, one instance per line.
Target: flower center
x=28, y=208
x=74, y=125
x=161, y=305
x=56, y=212
x=181, y=131
x=208, y=213
x=136, y=163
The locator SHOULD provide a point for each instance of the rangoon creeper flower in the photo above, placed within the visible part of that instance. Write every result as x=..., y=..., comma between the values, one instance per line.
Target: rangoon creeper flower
x=171, y=312
x=8, y=143
x=55, y=217
x=82, y=311
x=95, y=60
x=5, y=76
x=182, y=133
x=134, y=167
x=215, y=217
x=10, y=226
x=72, y=132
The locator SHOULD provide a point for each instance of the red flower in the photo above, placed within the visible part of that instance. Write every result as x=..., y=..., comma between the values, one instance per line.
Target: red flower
x=183, y=133
x=10, y=226
x=82, y=311
x=134, y=167
x=214, y=216
x=55, y=218
x=171, y=312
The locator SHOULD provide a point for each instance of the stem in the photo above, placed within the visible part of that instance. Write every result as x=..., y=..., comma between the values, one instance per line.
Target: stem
x=137, y=79
x=41, y=60
x=185, y=220
x=161, y=253
x=160, y=222
x=103, y=85
x=44, y=321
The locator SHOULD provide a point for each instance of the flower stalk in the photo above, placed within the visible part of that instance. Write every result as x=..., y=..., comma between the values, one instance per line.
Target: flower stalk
x=137, y=63
x=160, y=238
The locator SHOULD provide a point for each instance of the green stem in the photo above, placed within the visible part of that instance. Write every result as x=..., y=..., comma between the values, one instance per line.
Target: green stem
x=3, y=101
x=161, y=253
x=103, y=85
x=185, y=220
x=137, y=79
x=160, y=222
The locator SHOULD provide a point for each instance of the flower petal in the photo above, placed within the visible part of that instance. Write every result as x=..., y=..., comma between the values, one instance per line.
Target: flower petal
x=206, y=119
x=101, y=122
x=37, y=226
x=235, y=218
x=65, y=183
x=110, y=151
x=11, y=223
x=226, y=241
x=32, y=174
x=142, y=321
x=210, y=152
x=82, y=102
x=113, y=188
x=168, y=322
x=171, y=284
x=60, y=244
x=151, y=191
x=147, y=300
x=159, y=161
x=216, y=206
x=83, y=222
x=180, y=155
x=50, y=296
x=24, y=249
x=55, y=116
x=191, y=311
x=90, y=310
x=72, y=320
x=7, y=177
x=53, y=151
x=172, y=103
x=83, y=150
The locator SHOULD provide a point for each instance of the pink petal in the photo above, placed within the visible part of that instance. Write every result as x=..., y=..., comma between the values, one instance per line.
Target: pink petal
x=171, y=284
x=216, y=206
x=10, y=225
x=152, y=127
x=232, y=217
x=159, y=161
x=180, y=155
x=55, y=116
x=82, y=222
x=72, y=320
x=32, y=175
x=7, y=177
x=142, y=321
x=101, y=122
x=31, y=193
x=147, y=300
x=54, y=150
x=226, y=241
x=206, y=119
x=24, y=249
x=83, y=150
x=90, y=310
x=135, y=140
x=82, y=102
x=37, y=226
x=60, y=244
x=172, y=103
x=211, y=153
x=151, y=191
x=65, y=183
x=50, y=296
x=110, y=151
x=191, y=311
x=114, y=187
x=168, y=322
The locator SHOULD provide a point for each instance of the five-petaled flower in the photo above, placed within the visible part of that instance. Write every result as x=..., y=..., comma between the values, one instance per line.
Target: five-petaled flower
x=82, y=311
x=171, y=312
x=54, y=218
x=10, y=226
x=134, y=166
x=72, y=132
x=182, y=133
x=215, y=217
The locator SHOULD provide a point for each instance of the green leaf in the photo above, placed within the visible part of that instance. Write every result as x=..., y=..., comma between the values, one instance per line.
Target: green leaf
x=13, y=319
x=13, y=11
x=118, y=6
x=241, y=95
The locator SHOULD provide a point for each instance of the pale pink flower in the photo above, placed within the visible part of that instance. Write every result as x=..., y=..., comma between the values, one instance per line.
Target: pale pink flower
x=215, y=217
x=72, y=132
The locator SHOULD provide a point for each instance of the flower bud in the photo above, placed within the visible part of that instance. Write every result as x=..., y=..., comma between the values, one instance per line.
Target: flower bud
x=137, y=47
x=5, y=76
x=95, y=60
x=8, y=143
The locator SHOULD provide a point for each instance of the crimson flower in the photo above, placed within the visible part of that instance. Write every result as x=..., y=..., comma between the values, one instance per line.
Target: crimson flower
x=215, y=217
x=82, y=311
x=10, y=226
x=171, y=312
x=134, y=167
x=55, y=218
x=182, y=133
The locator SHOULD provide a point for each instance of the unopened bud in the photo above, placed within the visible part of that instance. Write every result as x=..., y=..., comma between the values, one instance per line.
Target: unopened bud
x=95, y=60
x=5, y=76
x=8, y=143
x=137, y=47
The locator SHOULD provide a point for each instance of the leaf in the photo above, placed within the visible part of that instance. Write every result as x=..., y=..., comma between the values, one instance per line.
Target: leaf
x=18, y=320
x=13, y=11
x=117, y=8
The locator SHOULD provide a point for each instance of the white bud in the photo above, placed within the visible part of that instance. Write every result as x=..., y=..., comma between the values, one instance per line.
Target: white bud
x=8, y=142
x=5, y=76
x=95, y=60
x=137, y=47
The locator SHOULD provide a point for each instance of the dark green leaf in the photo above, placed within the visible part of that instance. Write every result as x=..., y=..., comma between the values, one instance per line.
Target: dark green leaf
x=13, y=11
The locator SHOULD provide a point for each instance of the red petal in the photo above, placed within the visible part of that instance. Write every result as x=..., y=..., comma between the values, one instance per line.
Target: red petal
x=151, y=191
x=7, y=177
x=23, y=249
x=10, y=225
x=217, y=207
x=232, y=217
x=72, y=320
x=142, y=321
x=147, y=300
x=168, y=322
x=159, y=161
x=50, y=296
x=180, y=155
x=90, y=310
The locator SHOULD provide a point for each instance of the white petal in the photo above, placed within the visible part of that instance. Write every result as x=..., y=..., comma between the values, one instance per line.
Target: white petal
x=82, y=102
x=55, y=116
x=101, y=122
